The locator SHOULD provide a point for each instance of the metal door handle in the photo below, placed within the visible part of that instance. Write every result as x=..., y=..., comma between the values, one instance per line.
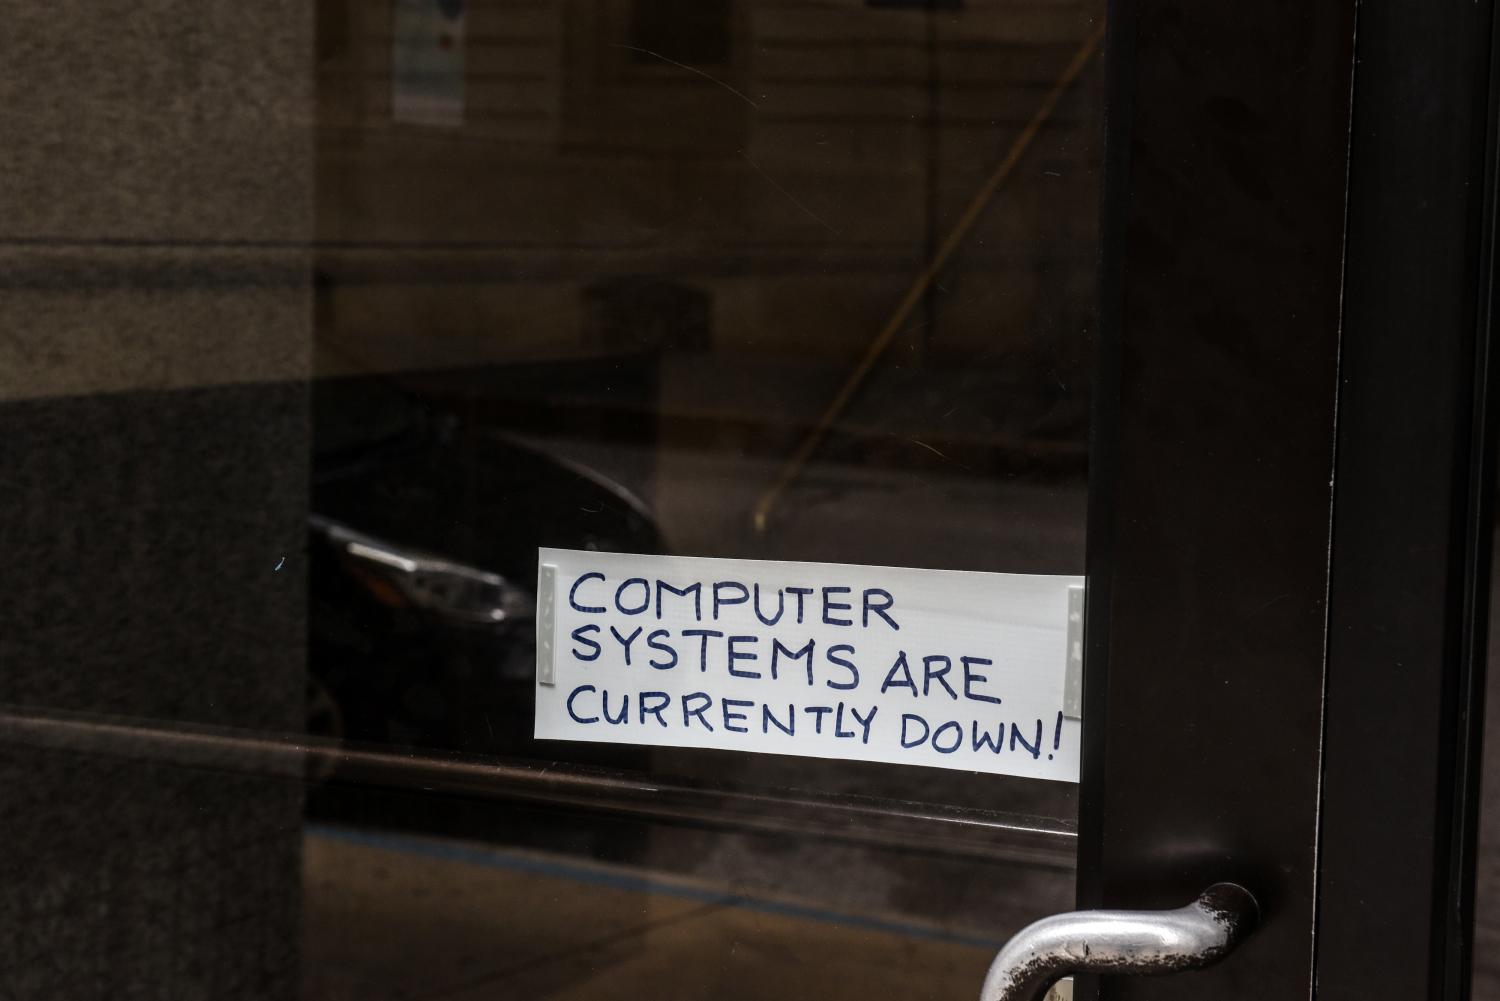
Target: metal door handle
x=1126, y=942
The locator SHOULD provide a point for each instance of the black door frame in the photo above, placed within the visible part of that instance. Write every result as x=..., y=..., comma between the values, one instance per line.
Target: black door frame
x=1290, y=486
x=1408, y=618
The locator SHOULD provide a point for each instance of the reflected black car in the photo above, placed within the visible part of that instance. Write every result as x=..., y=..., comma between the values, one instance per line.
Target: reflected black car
x=423, y=546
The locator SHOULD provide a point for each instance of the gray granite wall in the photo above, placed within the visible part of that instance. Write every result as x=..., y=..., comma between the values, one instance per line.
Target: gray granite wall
x=155, y=326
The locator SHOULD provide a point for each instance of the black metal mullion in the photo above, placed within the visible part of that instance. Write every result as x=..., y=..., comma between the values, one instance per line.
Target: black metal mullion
x=1412, y=522
x=1210, y=471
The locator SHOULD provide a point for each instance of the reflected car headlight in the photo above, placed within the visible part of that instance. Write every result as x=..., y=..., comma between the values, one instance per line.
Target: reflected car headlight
x=397, y=575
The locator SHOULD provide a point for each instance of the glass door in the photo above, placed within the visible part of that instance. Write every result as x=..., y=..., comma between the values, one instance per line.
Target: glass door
x=737, y=498
x=812, y=285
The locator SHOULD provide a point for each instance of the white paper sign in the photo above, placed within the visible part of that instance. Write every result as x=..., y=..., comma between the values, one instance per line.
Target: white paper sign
x=951, y=669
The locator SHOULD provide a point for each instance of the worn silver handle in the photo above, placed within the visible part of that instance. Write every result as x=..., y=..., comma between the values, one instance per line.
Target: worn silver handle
x=1124, y=942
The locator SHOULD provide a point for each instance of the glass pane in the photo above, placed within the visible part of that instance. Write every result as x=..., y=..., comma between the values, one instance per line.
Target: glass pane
x=325, y=318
